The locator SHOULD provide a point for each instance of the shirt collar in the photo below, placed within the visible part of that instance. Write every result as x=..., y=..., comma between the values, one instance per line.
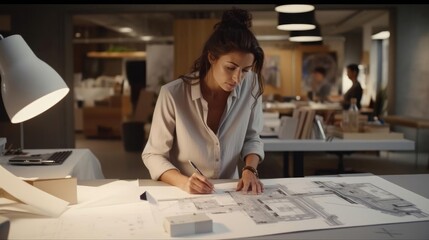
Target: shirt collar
x=196, y=91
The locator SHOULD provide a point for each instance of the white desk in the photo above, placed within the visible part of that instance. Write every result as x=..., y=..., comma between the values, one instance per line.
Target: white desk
x=114, y=219
x=299, y=146
x=82, y=164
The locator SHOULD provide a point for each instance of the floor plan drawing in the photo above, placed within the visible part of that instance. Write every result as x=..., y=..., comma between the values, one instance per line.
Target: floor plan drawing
x=284, y=203
x=374, y=197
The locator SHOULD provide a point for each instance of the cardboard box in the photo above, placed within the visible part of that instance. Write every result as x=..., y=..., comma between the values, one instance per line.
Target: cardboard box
x=64, y=188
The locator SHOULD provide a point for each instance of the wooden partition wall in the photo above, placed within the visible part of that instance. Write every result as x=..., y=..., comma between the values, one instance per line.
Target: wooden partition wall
x=189, y=38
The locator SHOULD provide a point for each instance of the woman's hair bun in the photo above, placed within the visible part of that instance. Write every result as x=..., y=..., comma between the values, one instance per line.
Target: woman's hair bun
x=236, y=18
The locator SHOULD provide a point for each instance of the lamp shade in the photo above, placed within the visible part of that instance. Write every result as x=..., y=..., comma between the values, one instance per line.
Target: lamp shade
x=294, y=8
x=296, y=21
x=312, y=35
x=29, y=86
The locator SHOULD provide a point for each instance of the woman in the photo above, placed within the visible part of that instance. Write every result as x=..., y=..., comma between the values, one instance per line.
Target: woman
x=212, y=116
x=320, y=89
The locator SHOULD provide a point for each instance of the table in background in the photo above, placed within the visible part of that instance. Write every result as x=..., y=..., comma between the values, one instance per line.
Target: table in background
x=287, y=108
x=299, y=146
x=82, y=164
x=412, y=122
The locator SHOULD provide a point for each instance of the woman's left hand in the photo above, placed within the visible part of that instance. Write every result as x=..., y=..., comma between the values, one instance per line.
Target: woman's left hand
x=249, y=183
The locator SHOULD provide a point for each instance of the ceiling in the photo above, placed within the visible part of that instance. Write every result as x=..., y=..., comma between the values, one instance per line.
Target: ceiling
x=158, y=27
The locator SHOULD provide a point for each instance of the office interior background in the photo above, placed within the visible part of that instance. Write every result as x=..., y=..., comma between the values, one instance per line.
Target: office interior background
x=63, y=36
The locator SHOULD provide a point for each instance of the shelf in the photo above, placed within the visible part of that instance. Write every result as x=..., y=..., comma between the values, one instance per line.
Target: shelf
x=134, y=54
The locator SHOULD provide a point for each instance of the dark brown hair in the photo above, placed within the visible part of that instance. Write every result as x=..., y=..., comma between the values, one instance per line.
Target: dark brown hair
x=354, y=68
x=231, y=34
x=320, y=70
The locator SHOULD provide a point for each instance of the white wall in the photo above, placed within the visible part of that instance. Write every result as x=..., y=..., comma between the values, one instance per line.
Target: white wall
x=412, y=71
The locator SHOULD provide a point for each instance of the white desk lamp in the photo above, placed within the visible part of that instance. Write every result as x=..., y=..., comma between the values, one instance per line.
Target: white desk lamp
x=29, y=86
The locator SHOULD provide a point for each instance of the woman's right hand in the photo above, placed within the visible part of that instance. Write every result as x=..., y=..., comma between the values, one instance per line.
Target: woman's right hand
x=197, y=184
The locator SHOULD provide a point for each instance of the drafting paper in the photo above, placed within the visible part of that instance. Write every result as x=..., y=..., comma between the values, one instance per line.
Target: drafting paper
x=167, y=192
x=295, y=204
x=38, y=201
x=117, y=192
x=124, y=221
x=300, y=204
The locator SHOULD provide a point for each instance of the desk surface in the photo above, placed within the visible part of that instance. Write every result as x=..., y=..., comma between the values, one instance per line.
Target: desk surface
x=415, y=230
x=410, y=230
x=407, y=121
x=312, y=145
x=81, y=164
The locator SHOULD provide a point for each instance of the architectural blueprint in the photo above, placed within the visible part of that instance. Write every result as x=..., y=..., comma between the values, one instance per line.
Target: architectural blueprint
x=279, y=203
x=306, y=204
x=117, y=211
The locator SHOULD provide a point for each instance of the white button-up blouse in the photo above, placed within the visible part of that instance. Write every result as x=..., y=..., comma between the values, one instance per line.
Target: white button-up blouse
x=179, y=131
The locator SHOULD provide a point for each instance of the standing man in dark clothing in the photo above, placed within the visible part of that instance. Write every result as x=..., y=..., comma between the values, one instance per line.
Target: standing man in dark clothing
x=355, y=91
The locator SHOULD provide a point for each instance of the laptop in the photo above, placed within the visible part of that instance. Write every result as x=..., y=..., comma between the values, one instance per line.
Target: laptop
x=55, y=158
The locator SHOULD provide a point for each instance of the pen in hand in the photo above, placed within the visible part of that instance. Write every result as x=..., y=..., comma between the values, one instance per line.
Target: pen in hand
x=198, y=170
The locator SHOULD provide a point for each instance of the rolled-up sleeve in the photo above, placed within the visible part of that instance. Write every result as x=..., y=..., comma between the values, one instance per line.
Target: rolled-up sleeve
x=252, y=141
x=156, y=152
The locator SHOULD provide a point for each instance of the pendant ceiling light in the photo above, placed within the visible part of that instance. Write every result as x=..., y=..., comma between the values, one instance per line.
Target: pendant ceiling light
x=312, y=35
x=294, y=8
x=296, y=21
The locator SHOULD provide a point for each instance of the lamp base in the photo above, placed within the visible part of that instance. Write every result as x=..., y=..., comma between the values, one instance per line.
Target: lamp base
x=4, y=227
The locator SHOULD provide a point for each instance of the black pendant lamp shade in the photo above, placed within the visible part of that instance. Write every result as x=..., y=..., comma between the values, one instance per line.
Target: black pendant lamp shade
x=312, y=35
x=296, y=21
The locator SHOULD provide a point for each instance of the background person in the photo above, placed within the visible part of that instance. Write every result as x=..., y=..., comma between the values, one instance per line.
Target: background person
x=355, y=91
x=320, y=88
x=213, y=115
